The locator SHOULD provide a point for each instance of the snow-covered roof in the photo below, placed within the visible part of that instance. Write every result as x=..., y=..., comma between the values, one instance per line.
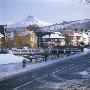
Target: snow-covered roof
x=57, y=33
x=54, y=35
x=46, y=36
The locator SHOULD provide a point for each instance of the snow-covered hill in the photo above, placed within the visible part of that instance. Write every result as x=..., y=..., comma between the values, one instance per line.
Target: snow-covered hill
x=77, y=24
x=30, y=20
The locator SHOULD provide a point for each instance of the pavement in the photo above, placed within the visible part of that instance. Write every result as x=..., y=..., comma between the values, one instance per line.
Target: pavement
x=52, y=77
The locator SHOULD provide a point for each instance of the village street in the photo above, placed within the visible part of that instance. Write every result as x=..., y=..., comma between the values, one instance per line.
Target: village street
x=51, y=77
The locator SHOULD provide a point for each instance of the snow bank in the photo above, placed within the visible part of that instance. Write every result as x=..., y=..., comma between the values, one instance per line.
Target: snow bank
x=9, y=58
x=83, y=73
x=9, y=65
x=86, y=50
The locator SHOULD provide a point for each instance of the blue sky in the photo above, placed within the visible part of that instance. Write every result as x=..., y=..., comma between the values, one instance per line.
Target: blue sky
x=52, y=11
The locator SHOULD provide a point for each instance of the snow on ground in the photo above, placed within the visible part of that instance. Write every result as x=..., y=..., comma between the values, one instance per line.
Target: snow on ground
x=9, y=58
x=83, y=73
x=9, y=63
x=86, y=50
x=12, y=67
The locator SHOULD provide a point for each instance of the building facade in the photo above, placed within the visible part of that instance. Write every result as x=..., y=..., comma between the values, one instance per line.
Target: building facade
x=29, y=38
x=53, y=40
x=73, y=38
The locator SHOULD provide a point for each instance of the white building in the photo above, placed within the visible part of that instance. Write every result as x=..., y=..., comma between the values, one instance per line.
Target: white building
x=53, y=40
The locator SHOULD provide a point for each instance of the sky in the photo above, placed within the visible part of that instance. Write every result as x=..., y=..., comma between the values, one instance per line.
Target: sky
x=52, y=11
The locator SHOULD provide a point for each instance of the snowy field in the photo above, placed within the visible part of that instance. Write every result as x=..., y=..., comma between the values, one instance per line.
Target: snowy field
x=11, y=65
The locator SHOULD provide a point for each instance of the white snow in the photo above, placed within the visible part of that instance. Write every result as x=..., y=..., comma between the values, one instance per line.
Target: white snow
x=30, y=20
x=11, y=35
x=86, y=50
x=9, y=58
x=86, y=38
x=54, y=35
x=16, y=68
x=83, y=73
x=42, y=23
x=9, y=64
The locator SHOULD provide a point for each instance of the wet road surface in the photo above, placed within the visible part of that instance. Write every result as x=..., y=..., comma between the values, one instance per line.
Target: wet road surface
x=49, y=77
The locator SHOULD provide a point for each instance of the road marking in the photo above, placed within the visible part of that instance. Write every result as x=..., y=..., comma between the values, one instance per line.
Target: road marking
x=29, y=82
x=21, y=85
x=42, y=76
x=65, y=68
x=47, y=75
x=58, y=70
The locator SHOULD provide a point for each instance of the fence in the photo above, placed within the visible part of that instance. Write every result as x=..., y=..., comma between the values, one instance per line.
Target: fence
x=41, y=51
x=27, y=51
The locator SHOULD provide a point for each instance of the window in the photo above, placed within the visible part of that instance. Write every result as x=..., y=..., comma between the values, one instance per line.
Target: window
x=71, y=38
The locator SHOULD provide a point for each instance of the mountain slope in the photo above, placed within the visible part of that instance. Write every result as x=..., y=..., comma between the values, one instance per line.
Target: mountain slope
x=30, y=20
x=78, y=24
